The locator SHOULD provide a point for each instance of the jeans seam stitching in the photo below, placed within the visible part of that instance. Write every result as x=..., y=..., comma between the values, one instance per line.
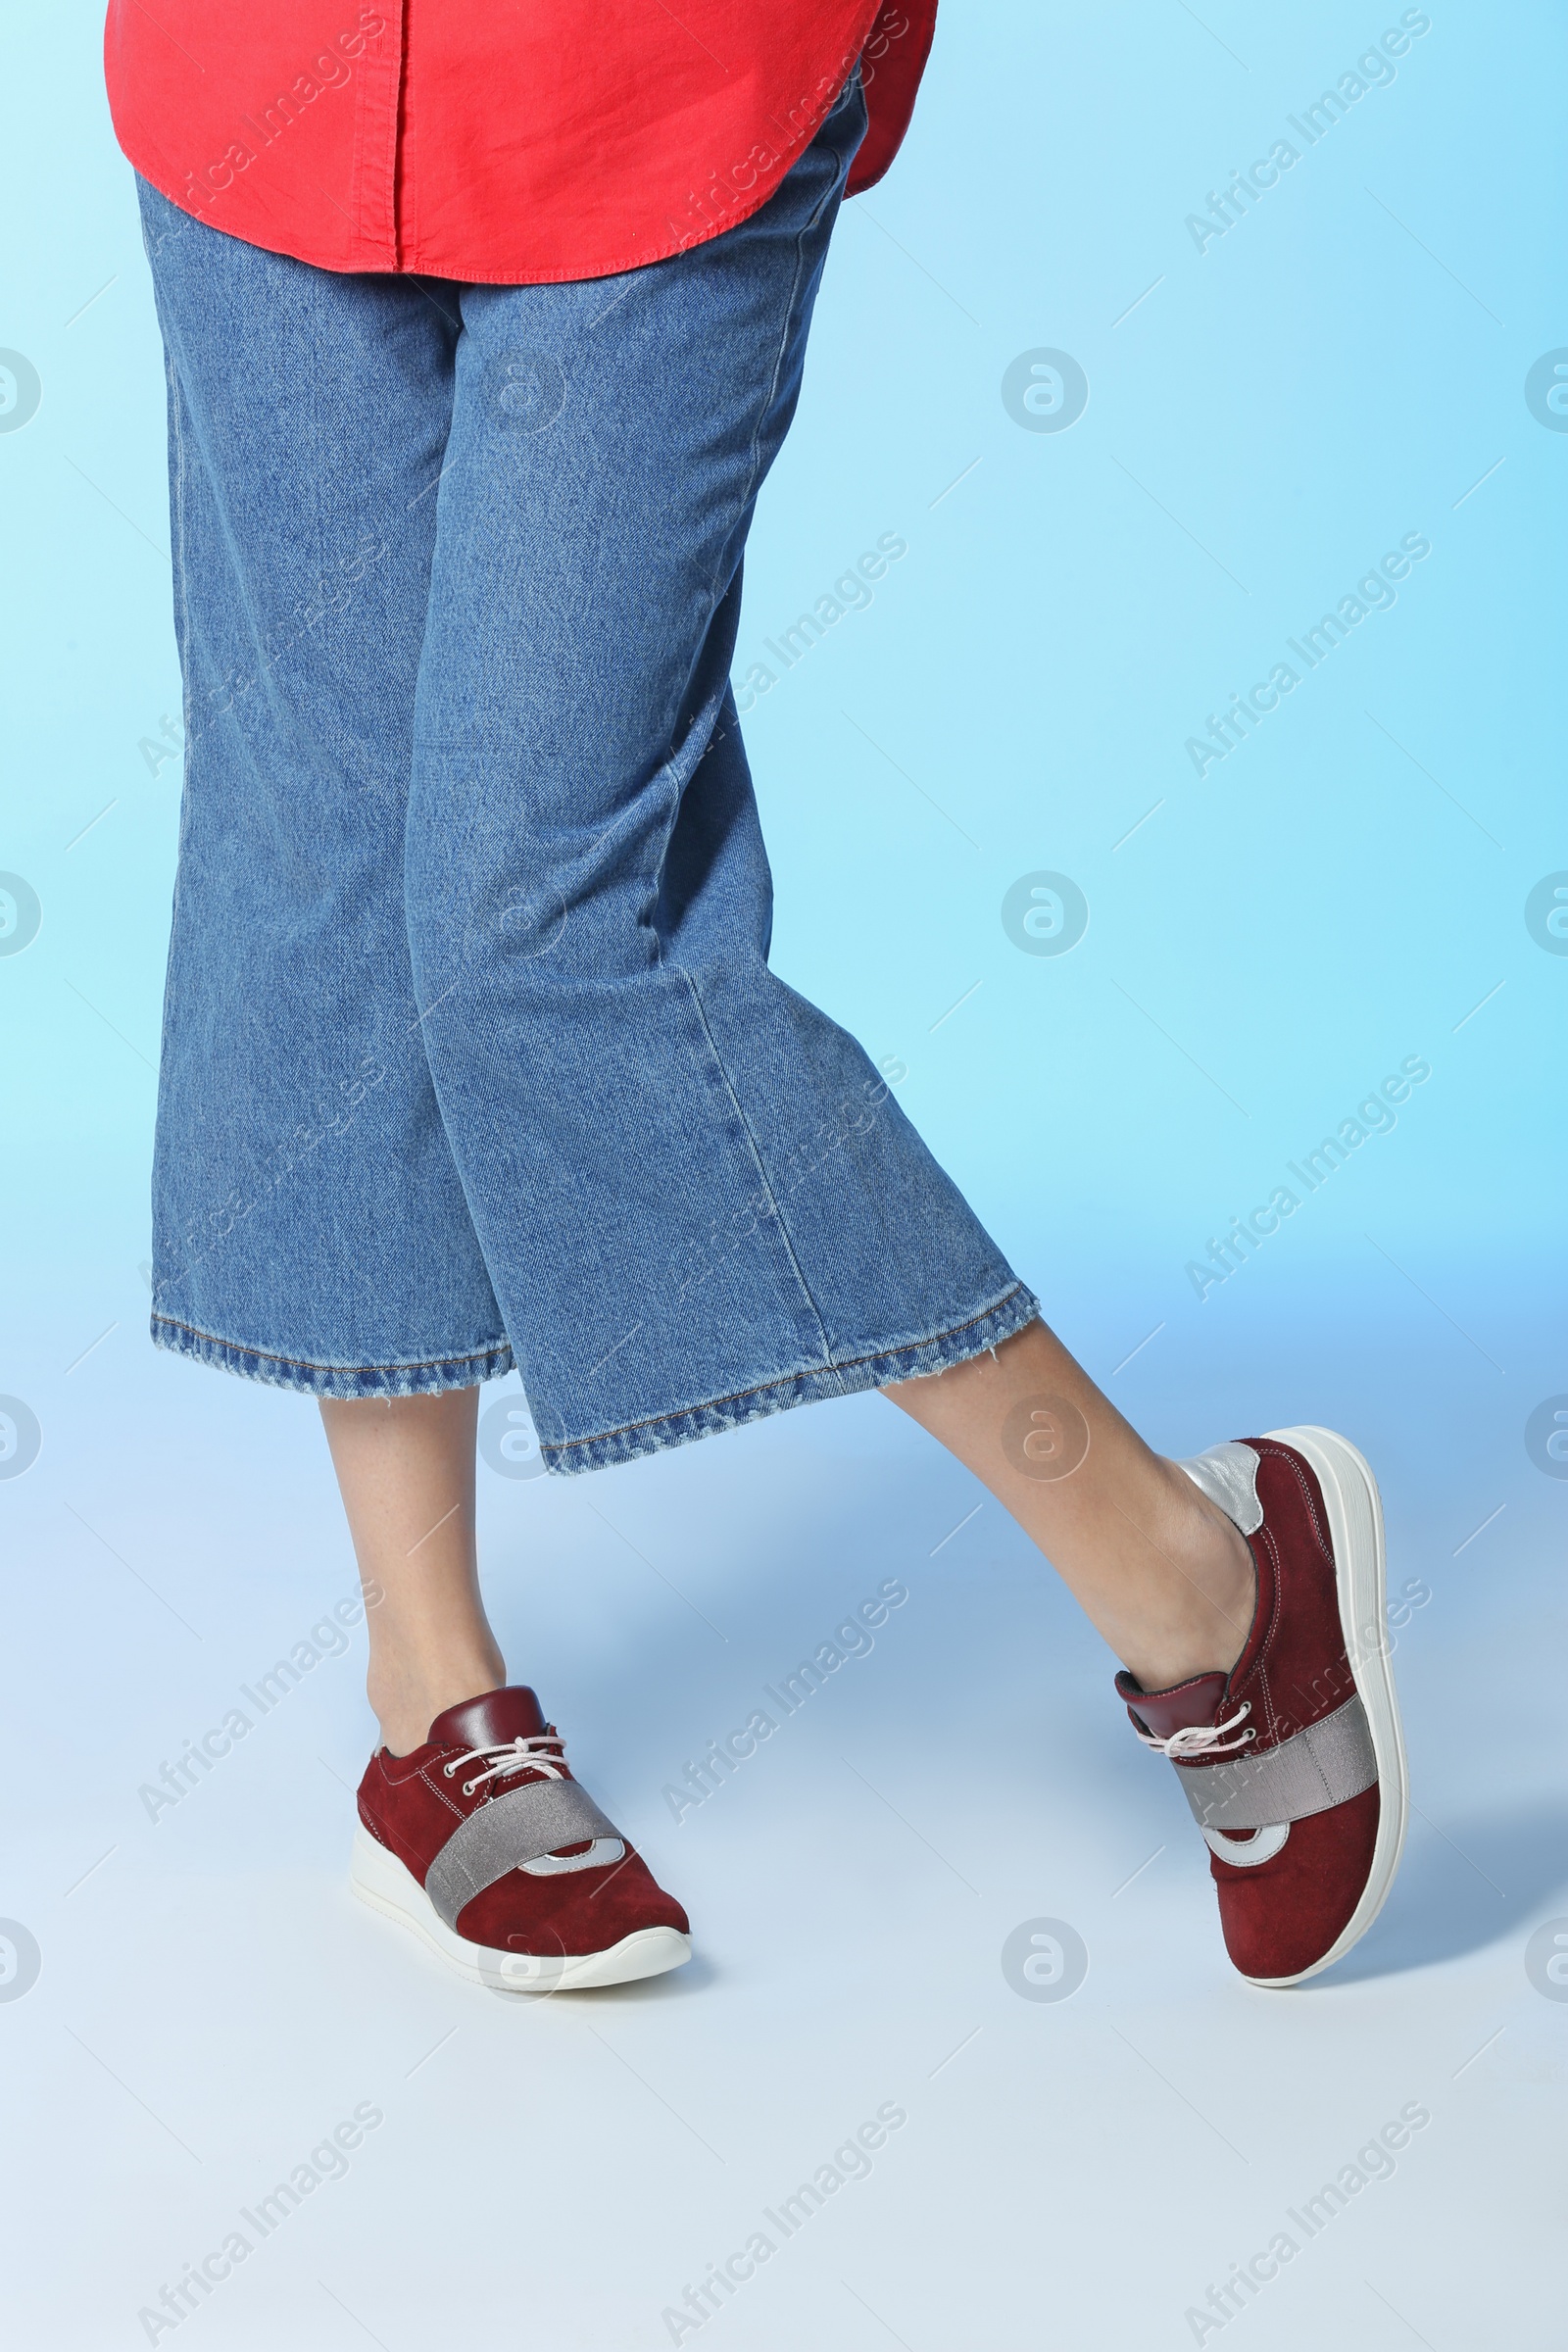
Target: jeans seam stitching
x=183, y=590
x=774, y=1206
x=811, y=1371
x=772, y=381
x=301, y=1363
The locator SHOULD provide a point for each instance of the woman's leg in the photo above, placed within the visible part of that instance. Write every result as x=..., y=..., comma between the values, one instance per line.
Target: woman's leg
x=646, y=1116
x=1162, y=1572
x=405, y=1467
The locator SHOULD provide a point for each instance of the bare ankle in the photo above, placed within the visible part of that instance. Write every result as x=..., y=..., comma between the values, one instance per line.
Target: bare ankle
x=1210, y=1601
x=408, y=1698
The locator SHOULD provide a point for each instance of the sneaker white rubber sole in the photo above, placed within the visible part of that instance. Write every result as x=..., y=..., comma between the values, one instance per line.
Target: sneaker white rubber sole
x=1356, y=1529
x=380, y=1880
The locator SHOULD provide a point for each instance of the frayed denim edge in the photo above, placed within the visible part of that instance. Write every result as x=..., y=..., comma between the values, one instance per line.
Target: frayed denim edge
x=334, y=1380
x=1013, y=1312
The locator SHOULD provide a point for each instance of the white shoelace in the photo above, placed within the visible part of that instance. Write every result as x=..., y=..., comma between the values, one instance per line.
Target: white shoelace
x=1202, y=1739
x=515, y=1756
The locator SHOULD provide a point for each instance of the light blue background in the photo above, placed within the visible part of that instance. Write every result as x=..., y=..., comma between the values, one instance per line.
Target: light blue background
x=1343, y=366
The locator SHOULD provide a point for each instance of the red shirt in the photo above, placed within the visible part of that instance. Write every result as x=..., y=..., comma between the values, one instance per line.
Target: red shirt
x=517, y=142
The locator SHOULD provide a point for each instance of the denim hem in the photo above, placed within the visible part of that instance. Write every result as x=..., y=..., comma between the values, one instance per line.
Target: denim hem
x=1012, y=1312
x=336, y=1380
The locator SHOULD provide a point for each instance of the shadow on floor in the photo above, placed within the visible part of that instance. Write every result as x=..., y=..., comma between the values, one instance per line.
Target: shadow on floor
x=1464, y=1884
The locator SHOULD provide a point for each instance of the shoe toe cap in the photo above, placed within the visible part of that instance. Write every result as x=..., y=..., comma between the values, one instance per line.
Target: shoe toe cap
x=571, y=1914
x=1283, y=1916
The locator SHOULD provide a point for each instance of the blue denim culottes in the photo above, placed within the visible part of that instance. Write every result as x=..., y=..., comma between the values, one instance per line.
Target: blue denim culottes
x=472, y=1054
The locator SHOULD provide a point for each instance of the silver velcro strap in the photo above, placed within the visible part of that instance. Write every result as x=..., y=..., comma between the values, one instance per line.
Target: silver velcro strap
x=1328, y=1763
x=512, y=1829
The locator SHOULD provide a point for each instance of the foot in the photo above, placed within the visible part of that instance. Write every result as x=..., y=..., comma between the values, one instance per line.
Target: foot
x=1292, y=1761
x=482, y=1842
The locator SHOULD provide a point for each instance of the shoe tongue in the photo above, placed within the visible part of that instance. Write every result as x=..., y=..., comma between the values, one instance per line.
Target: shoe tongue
x=490, y=1720
x=1177, y=1709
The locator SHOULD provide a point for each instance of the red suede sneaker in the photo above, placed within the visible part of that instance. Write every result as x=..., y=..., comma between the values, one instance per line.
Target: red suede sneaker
x=483, y=1843
x=1293, y=1763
